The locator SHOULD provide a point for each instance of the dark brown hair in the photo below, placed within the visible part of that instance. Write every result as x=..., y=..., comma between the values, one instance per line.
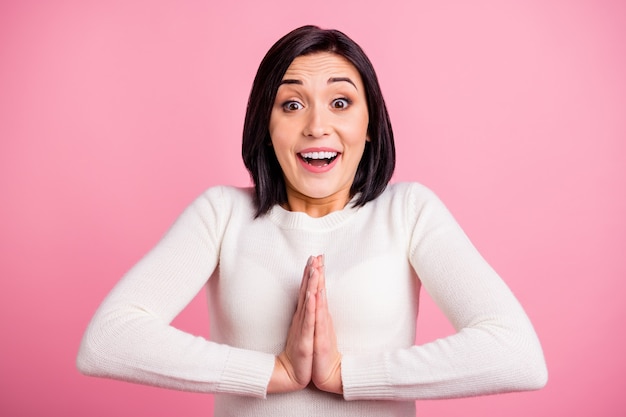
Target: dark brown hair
x=378, y=162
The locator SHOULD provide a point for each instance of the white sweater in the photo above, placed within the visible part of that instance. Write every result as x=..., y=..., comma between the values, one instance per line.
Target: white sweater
x=377, y=258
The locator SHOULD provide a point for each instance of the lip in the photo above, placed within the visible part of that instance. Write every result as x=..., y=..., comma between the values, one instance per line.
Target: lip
x=315, y=169
x=318, y=150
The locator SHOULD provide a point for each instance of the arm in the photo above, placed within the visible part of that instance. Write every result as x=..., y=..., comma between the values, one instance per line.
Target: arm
x=495, y=348
x=130, y=336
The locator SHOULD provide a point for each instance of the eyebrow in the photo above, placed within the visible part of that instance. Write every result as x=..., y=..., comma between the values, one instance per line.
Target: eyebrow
x=330, y=81
x=342, y=79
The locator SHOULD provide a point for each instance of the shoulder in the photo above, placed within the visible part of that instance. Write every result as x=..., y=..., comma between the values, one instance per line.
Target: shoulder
x=222, y=202
x=228, y=194
x=413, y=202
x=412, y=193
x=407, y=187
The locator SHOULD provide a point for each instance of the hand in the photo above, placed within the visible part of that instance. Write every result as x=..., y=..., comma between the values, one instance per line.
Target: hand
x=293, y=368
x=326, y=374
x=310, y=352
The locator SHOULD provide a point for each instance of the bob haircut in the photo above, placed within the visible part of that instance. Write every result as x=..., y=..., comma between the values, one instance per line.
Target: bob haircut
x=378, y=162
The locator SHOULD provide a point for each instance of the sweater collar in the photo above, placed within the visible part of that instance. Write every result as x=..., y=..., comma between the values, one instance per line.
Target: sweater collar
x=286, y=219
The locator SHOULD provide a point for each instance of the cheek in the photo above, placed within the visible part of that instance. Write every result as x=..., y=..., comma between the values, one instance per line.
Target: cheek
x=357, y=126
x=357, y=133
x=279, y=143
x=279, y=131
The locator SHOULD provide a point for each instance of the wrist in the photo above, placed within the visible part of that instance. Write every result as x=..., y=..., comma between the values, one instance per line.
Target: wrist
x=334, y=382
x=281, y=380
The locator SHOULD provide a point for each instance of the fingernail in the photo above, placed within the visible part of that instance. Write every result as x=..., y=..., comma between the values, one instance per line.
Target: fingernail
x=323, y=257
x=309, y=262
x=311, y=272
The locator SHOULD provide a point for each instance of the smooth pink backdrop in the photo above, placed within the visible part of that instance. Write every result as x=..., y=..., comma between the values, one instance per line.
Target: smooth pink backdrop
x=114, y=115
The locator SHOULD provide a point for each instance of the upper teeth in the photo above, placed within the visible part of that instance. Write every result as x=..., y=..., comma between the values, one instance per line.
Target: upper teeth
x=319, y=155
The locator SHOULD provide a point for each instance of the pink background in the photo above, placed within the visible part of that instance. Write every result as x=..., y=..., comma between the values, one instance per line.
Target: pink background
x=114, y=115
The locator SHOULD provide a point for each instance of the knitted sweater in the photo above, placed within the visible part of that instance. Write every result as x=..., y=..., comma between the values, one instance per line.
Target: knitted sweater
x=377, y=259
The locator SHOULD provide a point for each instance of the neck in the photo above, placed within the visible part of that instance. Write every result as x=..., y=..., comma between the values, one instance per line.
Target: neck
x=316, y=207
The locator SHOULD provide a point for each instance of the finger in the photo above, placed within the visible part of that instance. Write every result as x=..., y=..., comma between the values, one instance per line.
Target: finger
x=304, y=283
x=309, y=265
x=321, y=313
x=309, y=306
x=321, y=267
x=325, y=338
x=312, y=286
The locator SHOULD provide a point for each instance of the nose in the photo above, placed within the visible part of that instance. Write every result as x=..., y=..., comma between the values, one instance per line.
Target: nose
x=317, y=122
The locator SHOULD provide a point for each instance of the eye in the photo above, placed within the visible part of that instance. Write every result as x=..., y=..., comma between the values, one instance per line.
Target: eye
x=340, y=103
x=292, y=106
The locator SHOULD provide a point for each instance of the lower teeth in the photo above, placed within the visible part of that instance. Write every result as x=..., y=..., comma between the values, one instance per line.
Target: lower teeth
x=324, y=162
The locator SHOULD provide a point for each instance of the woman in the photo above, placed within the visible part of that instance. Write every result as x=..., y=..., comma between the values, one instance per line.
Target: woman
x=325, y=335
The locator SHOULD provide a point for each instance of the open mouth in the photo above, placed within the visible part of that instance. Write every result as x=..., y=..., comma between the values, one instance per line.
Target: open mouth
x=318, y=159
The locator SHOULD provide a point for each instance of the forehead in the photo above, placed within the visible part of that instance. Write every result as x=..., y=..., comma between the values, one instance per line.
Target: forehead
x=322, y=65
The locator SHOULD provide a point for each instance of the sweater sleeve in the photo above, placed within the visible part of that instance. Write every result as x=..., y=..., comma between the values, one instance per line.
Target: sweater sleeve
x=495, y=348
x=130, y=336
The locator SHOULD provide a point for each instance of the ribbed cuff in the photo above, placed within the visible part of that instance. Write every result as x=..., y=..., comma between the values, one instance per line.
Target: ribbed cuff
x=365, y=378
x=247, y=373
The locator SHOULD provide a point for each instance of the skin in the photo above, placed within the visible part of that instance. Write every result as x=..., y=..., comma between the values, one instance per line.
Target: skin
x=310, y=354
x=321, y=105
